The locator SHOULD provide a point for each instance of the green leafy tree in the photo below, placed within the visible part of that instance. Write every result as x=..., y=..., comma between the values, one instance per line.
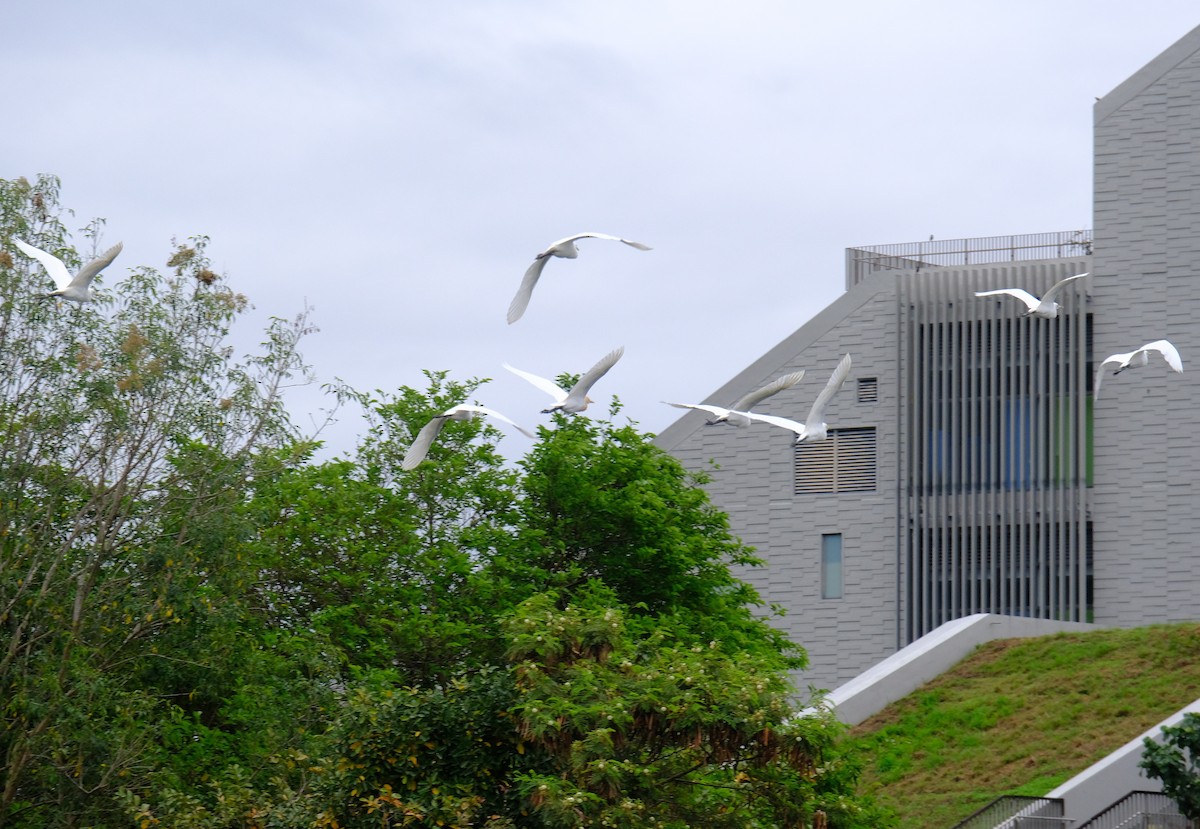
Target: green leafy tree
x=126, y=434
x=601, y=501
x=590, y=721
x=387, y=566
x=618, y=671
x=1176, y=762
x=639, y=727
x=201, y=626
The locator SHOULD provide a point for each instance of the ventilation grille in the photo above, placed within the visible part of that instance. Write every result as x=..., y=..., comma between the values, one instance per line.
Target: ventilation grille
x=868, y=389
x=844, y=462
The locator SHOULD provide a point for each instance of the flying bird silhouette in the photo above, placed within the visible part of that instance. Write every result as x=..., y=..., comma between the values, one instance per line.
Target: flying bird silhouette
x=564, y=248
x=1046, y=307
x=1135, y=359
x=575, y=400
x=814, y=427
x=77, y=288
x=429, y=432
x=735, y=415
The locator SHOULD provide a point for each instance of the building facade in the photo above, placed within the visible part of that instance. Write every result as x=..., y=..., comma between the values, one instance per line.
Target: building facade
x=970, y=468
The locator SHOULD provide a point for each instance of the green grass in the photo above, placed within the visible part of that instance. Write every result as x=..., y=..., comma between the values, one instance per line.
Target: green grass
x=1021, y=716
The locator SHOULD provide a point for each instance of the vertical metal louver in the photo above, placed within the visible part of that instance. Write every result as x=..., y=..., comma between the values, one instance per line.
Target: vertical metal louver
x=844, y=462
x=995, y=419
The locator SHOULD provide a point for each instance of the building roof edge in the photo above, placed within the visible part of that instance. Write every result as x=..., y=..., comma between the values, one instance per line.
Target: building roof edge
x=1149, y=74
x=787, y=348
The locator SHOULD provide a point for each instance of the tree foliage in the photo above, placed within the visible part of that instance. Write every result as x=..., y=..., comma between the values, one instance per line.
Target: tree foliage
x=204, y=626
x=127, y=433
x=1176, y=762
x=602, y=502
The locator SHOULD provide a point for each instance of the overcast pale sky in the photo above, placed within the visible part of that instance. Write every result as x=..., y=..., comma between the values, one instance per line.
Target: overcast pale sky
x=396, y=165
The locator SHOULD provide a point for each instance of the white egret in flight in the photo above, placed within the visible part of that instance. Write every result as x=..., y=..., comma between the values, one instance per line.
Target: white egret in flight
x=575, y=400
x=564, y=248
x=79, y=287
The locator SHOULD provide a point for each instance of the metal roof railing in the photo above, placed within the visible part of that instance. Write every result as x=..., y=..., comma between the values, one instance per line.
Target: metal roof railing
x=984, y=250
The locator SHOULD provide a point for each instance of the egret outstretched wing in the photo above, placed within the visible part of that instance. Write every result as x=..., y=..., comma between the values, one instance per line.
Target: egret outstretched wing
x=430, y=431
x=747, y=402
x=1031, y=302
x=817, y=413
x=564, y=249
x=53, y=265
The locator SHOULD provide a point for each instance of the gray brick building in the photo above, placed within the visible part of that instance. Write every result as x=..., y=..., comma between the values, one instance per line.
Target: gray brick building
x=969, y=468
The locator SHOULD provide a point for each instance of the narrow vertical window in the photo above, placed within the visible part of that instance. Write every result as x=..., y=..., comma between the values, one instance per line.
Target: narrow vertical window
x=831, y=566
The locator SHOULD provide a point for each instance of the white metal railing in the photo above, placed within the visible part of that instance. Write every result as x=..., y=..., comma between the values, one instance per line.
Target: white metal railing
x=983, y=250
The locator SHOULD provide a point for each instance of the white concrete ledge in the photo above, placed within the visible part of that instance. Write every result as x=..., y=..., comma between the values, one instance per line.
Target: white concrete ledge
x=1103, y=783
x=911, y=667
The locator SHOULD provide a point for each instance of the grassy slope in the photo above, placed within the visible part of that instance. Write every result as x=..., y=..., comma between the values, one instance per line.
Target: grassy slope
x=1020, y=716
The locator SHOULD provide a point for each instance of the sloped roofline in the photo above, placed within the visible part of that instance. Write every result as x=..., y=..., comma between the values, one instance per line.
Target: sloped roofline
x=1148, y=75
x=796, y=342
